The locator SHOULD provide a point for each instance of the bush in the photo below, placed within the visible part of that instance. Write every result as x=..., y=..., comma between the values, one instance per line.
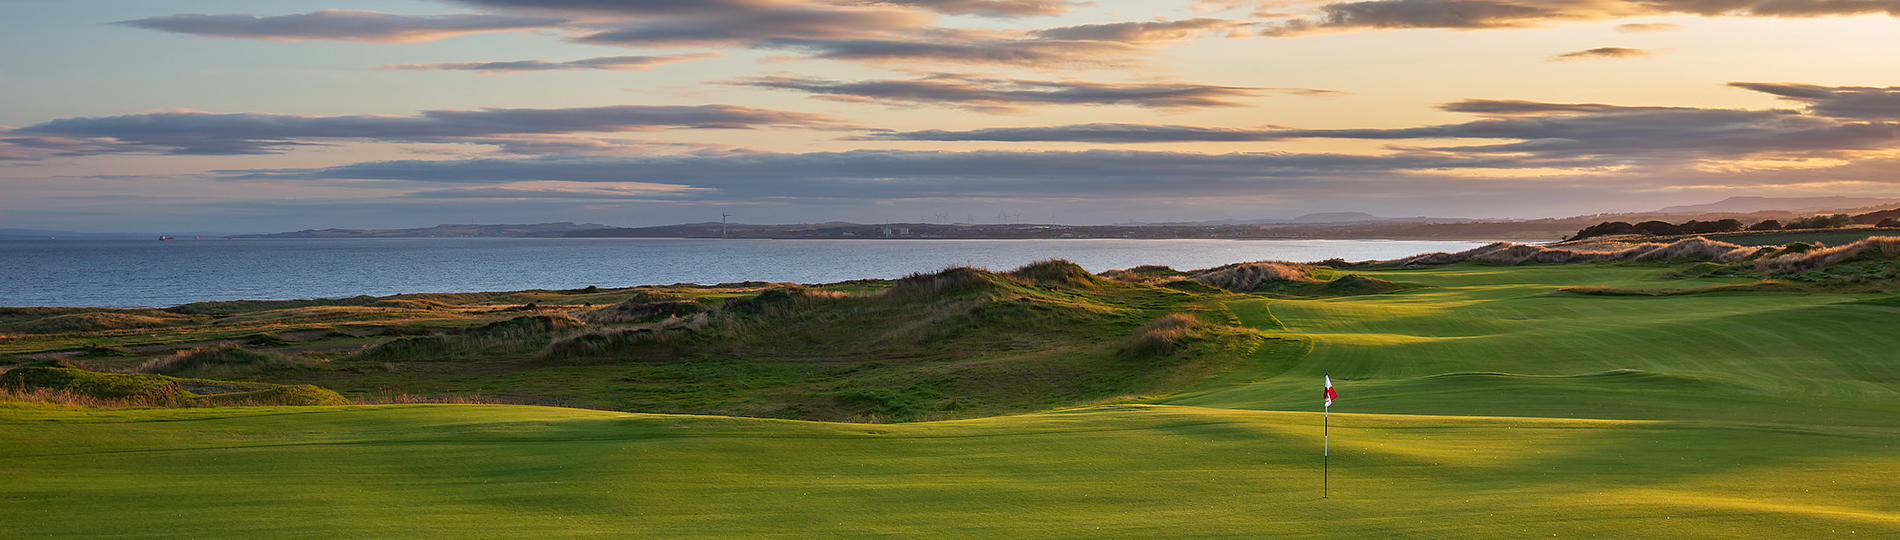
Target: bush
x=1835, y=221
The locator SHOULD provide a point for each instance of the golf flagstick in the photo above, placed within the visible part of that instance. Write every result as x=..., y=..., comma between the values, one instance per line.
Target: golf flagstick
x=1326, y=441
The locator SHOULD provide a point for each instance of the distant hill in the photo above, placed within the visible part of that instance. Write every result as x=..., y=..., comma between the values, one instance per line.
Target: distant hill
x=1308, y=219
x=41, y=234
x=1785, y=204
x=45, y=234
x=444, y=230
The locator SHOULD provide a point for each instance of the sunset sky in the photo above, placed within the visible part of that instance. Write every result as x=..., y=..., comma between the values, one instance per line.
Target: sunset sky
x=263, y=116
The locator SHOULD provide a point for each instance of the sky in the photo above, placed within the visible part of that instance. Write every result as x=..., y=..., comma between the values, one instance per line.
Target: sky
x=266, y=116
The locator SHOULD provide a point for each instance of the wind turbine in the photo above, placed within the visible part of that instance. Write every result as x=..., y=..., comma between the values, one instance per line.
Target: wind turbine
x=722, y=223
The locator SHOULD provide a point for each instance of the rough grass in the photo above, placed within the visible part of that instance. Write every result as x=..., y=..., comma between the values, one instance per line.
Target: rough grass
x=70, y=320
x=73, y=386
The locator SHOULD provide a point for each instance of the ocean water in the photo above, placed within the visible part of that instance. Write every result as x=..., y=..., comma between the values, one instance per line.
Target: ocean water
x=150, y=273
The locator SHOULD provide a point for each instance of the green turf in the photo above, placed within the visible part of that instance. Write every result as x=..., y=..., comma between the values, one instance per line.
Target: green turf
x=1110, y=472
x=1504, y=341
x=1486, y=404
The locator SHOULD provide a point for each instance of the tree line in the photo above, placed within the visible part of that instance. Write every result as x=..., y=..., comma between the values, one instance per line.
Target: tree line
x=1664, y=228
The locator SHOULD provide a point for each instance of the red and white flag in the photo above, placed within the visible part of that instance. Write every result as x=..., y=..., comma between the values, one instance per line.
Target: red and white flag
x=1330, y=394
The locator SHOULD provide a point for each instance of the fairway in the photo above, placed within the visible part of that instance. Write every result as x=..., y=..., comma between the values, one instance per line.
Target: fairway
x=1486, y=404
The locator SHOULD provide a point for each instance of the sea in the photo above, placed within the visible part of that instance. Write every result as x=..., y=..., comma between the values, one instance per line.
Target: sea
x=152, y=273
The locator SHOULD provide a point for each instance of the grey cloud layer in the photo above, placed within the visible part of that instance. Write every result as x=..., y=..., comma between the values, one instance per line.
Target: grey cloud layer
x=902, y=174
x=605, y=63
x=1602, y=52
x=1474, y=14
x=1850, y=102
x=1838, y=121
x=340, y=25
x=878, y=31
x=739, y=28
x=1005, y=95
x=994, y=8
x=257, y=133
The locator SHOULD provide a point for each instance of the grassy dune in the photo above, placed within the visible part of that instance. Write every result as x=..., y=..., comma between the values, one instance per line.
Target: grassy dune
x=1484, y=403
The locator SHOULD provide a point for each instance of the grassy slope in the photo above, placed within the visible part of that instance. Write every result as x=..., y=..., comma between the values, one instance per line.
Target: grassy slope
x=1779, y=420
x=1497, y=341
x=1119, y=471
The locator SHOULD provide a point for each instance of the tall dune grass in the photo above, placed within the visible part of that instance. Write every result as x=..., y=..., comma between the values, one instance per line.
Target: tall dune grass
x=1250, y=276
x=1506, y=253
x=1808, y=260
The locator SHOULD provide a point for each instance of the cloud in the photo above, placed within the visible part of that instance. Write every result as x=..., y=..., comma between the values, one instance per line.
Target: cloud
x=604, y=63
x=1093, y=45
x=35, y=148
x=629, y=7
x=341, y=25
x=1008, y=95
x=1835, y=126
x=872, y=31
x=1016, y=52
x=746, y=27
x=1849, y=102
x=194, y=132
x=1089, y=133
x=992, y=8
x=1484, y=14
x=1647, y=27
x=1142, y=32
x=875, y=174
x=1601, y=52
